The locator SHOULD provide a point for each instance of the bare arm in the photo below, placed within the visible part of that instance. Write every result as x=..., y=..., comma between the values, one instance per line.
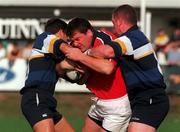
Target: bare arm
x=102, y=51
x=103, y=66
x=64, y=65
x=67, y=64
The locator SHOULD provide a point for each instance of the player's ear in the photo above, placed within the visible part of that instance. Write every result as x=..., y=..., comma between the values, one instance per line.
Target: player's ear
x=60, y=34
x=118, y=22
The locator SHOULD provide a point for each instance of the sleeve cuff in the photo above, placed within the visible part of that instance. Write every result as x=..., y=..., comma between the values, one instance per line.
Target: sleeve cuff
x=117, y=49
x=57, y=52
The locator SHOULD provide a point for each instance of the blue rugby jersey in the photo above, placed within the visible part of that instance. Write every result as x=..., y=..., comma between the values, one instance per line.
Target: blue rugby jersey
x=138, y=62
x=41, y=68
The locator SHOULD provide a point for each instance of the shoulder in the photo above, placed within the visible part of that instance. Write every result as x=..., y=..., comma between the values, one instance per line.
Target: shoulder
x=135, y=37
x=110, y=34
x=45, y=35
x=105, y=37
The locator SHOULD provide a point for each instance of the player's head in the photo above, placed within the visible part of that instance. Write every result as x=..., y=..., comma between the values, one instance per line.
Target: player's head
x=124, y=17
x=56, y=26
x=80, y=32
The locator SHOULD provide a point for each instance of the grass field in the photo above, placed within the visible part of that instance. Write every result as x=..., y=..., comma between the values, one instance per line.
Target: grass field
x=74, y=107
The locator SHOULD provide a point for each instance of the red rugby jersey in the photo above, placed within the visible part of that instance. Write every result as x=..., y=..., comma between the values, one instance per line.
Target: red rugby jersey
x=106, y=86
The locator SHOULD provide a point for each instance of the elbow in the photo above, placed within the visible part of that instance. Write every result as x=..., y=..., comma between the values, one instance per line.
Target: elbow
x=109, y=52
x=108, y=70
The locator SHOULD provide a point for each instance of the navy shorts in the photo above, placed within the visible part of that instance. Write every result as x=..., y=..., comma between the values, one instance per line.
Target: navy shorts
x=150, y=107
x=37, y=106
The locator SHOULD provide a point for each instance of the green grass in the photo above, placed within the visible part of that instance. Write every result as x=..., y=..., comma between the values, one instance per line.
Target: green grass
x=172, y=121
x=13, y=124
x=171, y=124
x=74, y=107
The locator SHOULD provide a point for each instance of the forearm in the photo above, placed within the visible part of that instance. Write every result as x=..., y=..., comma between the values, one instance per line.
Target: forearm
x=66, y=64
x=100, y=65
x=104, y=51
x=62, y=67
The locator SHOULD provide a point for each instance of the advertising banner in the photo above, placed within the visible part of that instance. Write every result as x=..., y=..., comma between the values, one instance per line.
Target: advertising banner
x=13, y=74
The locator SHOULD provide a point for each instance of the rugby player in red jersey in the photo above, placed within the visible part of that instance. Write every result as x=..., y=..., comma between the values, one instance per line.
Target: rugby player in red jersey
x=111, y=108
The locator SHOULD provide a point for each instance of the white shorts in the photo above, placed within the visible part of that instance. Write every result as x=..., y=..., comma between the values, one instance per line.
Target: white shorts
x=114, y=113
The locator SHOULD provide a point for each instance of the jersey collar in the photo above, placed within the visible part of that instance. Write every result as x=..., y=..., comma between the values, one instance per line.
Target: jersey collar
x=135, y=27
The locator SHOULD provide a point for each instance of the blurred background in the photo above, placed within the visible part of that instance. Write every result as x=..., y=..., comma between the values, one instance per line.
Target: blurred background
x=21, y=21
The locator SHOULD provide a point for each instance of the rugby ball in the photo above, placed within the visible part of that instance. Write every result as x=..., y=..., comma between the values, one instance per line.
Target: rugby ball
x=73, y=75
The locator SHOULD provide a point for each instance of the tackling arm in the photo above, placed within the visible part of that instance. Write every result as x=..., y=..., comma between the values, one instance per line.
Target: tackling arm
x=112, y=50
x=102, y=51
x=103, y=66
x=100, y=65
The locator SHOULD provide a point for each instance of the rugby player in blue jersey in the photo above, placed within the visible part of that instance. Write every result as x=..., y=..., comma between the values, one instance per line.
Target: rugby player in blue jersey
x=141, y=71
x=38, y=104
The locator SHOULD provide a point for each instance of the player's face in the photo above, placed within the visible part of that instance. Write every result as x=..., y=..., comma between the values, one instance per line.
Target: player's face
x=82, y=40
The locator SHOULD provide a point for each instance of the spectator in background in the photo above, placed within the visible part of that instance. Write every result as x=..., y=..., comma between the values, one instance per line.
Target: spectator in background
x=175, y=78
x=172, y=51
x=2, y=51
x=161, y=40
x=176, y=35
x=13, y=48
x=27, y=50
x=13, y=69
x=13, y=53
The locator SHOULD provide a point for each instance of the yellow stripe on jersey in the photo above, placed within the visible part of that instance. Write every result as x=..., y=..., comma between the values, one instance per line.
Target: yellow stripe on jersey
x=144, y=55
x=122, y=44
x=51, y=45
x=36, y=56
